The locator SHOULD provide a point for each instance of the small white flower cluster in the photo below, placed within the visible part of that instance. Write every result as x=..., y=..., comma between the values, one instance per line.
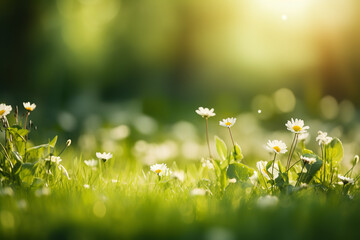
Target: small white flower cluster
x=6, y=109
x=323, y=138
x=54, y=159
x=207, y=113
x=101, y=156
x=207, y=163
x=57, y=160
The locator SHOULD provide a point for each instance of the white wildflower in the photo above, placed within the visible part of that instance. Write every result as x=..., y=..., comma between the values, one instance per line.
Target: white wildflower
x=308, y=160
x=4, y=109
x=296, y=126
x=205, y=112
x=227, y=122
x=276, y=146
x=346, y=180
x=29, y=107
x=161, y=169
x=323, y=138
x=104, y=156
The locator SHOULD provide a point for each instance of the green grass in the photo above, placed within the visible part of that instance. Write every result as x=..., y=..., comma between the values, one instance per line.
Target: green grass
x=140, y=206
x=123, y=199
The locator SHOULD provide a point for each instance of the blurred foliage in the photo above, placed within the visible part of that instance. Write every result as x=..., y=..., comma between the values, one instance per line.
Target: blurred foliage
x=70, y=54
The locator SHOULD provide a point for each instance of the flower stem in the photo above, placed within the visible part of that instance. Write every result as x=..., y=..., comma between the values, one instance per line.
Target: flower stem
x=272, y=173
x=294, y=164
x=292, y=149
x=207, y=137
x=324, y=162
x=231, y=137
x=26, y=118
x=298, y=180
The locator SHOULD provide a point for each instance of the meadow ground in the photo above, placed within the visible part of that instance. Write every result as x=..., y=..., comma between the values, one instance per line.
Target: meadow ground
x=220, y=197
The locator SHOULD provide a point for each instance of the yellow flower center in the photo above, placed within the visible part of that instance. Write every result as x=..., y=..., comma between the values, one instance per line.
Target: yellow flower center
x=28, y=108
x=228, y=123
x=158, y=171
x=1, y=112
x=297, y=128
x=276, y=148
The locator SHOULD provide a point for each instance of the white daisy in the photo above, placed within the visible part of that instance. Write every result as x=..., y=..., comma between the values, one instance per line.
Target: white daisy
x=161, y=169
x=346, y=180
x=228, y=122
x=261, y=165
x=308, y=160
x=104, y=156
x=53, y=159
x=205, y=112
x=323, y=138
x=296, y=126
x=276, y=146
x=91, y=163
x=4, y=109
x=29, y=107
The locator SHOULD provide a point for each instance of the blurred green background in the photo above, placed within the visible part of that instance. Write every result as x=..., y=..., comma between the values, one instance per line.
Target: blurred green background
x=142, y=66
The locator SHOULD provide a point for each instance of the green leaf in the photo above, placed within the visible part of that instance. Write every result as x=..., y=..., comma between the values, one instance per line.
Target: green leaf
x=307, y=151
x=224, y=164
x=37, y=183
x=334, y=152
x=27, y=173
x=239, y=171
x=17, y=156
x=311, y=169
x=53, y=142
x=237, y=153
x=17, y=167
x=41, y=151
x=221, y=148
x=18, y=133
